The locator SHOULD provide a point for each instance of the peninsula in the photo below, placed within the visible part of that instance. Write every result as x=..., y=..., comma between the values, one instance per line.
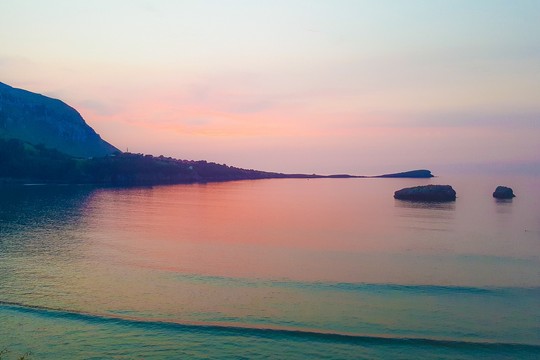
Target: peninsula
x=44, y=140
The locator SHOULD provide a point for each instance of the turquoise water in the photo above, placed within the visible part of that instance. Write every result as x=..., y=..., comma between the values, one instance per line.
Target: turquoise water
x=69, y=335
x=270, y=269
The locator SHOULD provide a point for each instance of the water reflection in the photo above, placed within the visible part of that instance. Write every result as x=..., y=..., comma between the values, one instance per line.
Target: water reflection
x=425, y=216
x=254, y=252
x=451, y=206
x=503, y=206
x=40, y=218
x=90, y=240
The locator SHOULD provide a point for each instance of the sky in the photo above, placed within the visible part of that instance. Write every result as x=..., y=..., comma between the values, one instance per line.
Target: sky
x=312, y=86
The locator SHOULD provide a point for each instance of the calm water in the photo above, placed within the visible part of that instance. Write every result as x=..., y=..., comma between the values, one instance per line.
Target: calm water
x=270, y=269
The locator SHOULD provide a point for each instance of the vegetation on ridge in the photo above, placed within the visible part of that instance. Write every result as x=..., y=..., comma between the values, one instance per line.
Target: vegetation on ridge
x=23, y=162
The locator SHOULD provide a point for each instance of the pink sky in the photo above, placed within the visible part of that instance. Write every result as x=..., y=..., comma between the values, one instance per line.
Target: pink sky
x=360, y=87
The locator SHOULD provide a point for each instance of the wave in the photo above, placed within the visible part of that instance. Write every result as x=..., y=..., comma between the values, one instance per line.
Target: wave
x=369, y=287
x=263, y=332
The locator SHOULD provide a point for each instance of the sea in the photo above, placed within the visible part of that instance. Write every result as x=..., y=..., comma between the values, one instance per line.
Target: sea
x=270, y=269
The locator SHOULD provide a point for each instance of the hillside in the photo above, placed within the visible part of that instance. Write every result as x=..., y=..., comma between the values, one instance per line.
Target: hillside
x=44, y=140
x=21, y=162
x=38, y=119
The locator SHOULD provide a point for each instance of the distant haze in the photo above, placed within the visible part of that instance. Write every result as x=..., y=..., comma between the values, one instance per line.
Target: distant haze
x=361, y=87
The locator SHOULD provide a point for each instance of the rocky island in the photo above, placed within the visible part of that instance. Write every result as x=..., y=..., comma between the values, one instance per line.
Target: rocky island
x=427, y=193
x=503, y=192
x=415, y=174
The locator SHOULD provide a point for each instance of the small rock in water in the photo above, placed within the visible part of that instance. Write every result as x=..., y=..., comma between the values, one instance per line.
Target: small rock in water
x=503, y=192
x=427, y=193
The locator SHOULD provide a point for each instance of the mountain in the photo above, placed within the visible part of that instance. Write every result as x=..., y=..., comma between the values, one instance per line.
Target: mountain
x=38, y=119
x=44, y=140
